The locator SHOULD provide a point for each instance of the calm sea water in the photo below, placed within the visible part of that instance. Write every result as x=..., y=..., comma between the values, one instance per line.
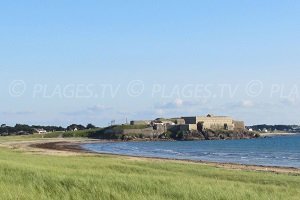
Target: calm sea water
x=276, y=151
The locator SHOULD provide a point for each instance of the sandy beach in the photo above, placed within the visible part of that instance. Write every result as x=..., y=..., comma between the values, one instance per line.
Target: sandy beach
x=71, y=147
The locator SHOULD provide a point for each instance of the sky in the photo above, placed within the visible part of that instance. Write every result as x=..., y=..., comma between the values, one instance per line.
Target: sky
x=64, y=61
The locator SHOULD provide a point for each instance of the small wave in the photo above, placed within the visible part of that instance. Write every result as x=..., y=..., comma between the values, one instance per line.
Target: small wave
x=284, y=153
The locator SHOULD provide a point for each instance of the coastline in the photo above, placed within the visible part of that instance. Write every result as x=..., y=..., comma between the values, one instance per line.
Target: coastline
x=135, y=178
x=277, y=134
x=67, y=147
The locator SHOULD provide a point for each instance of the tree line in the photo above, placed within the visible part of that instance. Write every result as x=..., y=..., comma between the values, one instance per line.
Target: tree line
x=23, y=129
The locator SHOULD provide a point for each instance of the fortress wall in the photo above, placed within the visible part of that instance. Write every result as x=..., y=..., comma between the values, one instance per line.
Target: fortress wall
x=239, y=125
x=147, y=132
x=140, y=122
x=216, y=122
x=188, y=127
x=190, y=120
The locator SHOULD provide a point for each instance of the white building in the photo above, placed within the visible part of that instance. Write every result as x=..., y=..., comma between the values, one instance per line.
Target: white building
x=40, y=131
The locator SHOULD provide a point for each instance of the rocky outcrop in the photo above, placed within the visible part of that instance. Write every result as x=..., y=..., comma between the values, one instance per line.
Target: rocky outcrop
x=214, y=135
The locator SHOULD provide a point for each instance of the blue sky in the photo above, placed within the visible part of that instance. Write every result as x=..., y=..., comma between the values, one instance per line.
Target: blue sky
x=96, y=61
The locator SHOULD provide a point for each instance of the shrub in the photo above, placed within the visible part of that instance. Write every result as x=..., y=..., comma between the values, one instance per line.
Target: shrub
x=179, y=135
x=53, y=135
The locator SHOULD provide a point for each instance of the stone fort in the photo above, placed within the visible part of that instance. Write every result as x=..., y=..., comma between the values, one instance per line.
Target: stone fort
x=195, y=123
x=212, y=122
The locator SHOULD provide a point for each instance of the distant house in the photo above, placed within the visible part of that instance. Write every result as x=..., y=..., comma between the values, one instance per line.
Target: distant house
x=265, y=130
x=40, y=131
x=75, y=127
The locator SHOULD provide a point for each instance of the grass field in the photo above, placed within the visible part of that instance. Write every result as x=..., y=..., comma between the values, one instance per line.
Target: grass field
x=25, y=175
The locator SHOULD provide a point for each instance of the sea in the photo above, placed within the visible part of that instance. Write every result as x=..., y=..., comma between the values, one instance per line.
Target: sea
x=281, y=151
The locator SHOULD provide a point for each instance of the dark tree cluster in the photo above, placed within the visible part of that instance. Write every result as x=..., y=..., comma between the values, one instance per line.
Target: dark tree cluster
x=23, y=129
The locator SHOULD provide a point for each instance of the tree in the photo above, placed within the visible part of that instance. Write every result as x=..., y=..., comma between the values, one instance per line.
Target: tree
x=75, y=127
x=90, y=126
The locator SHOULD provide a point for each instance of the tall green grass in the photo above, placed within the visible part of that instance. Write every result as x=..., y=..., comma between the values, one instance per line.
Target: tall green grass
x=88, y=133
x=33, y=176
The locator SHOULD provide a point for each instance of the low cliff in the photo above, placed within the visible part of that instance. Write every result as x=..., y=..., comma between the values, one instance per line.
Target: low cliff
x=129, y=132
x=213, y=135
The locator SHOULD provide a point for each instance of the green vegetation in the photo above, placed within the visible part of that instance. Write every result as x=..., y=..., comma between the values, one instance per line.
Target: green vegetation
x=81, y=133
x=124, y=127
x=166, y=119
x=31, y=176
x=86, y=133
x=23, y=129
x=105, y=133
x=59, y=134
x=114, y=132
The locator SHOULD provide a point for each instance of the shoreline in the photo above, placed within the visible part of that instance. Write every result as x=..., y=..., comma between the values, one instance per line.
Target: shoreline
x=74, y=147
x=277, y=134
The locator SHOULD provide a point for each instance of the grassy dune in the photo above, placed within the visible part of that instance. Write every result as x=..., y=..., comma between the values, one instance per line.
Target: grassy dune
x=32, y=176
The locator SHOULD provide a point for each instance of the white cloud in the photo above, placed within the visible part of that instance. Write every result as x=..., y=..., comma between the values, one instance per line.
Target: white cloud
x=160, y=112
x=96, y=109
x=247, y=103
x=178, y=102
x=16, y=113
x=290, y=101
